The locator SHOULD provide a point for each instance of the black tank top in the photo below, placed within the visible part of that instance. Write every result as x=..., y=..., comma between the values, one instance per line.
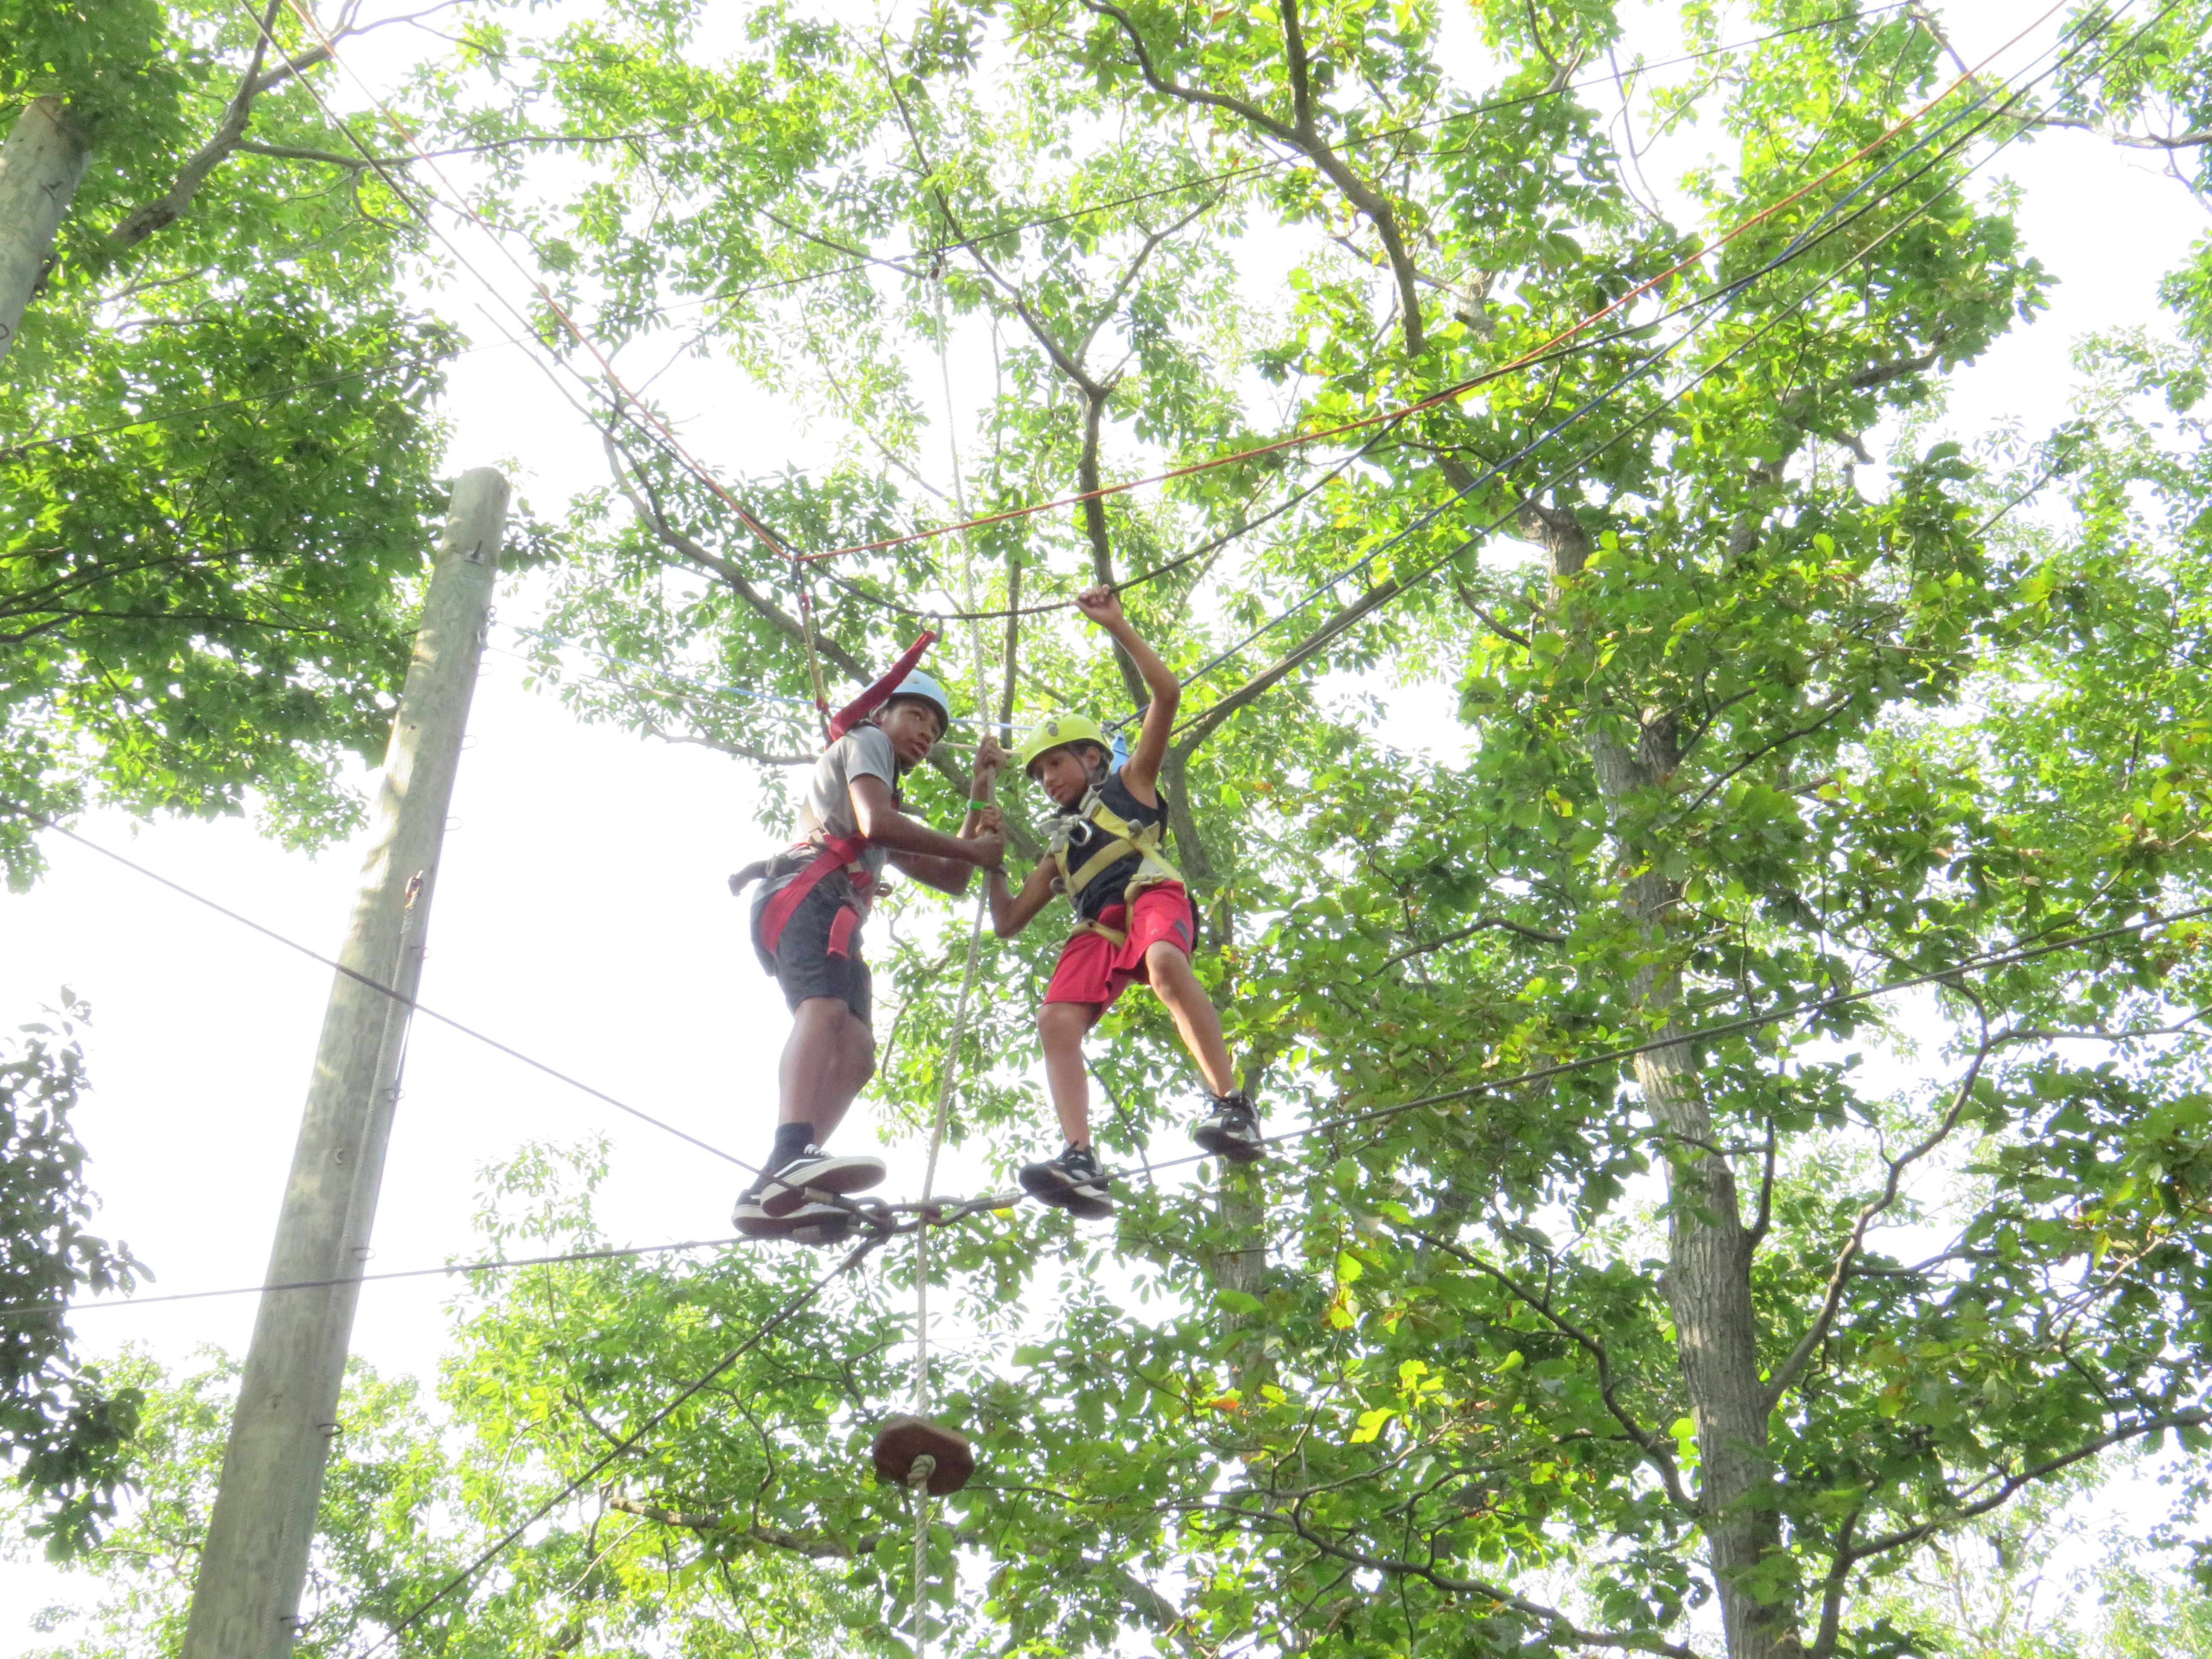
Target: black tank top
x=1103, y=891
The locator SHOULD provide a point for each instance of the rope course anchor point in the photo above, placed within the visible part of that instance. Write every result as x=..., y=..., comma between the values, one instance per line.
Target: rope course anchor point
x=906, y=1442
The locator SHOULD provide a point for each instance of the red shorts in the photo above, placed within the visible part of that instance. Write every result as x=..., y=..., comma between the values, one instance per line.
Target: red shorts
x=1094, y=970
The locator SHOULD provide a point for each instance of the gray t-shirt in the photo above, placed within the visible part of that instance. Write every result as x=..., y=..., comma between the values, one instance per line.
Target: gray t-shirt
x=865, y=751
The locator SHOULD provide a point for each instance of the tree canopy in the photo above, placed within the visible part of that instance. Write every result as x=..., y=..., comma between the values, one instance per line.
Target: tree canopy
x=1595, y=1301
x=219, y=485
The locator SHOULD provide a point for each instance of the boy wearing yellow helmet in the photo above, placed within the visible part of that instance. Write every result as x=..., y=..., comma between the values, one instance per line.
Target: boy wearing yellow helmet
x=806, y=927
x=1134, y=918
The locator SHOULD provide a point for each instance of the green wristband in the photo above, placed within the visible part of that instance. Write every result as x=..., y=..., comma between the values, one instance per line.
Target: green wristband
x=981, y=805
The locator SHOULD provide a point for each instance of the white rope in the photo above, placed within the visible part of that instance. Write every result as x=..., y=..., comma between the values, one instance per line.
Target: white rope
x=923, y=1467
x=918, y=1478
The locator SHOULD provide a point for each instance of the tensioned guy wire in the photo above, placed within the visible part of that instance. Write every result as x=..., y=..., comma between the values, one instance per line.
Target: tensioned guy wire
x=496, y=1264
x=420, y=1008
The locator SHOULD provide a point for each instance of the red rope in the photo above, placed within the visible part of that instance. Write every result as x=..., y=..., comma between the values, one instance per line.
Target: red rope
x=872, y=699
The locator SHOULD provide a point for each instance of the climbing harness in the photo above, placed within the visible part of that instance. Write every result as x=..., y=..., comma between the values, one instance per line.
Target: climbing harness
x=1124, y=838
x=835, y=853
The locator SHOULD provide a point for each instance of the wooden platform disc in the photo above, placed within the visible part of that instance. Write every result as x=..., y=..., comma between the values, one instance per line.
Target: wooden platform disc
x=903, y=1439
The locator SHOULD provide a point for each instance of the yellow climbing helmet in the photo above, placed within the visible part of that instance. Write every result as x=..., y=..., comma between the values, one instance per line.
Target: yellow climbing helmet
x=1057, y=732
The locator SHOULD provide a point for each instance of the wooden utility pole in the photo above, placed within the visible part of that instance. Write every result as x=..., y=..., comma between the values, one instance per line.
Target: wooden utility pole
x=41, y=164
x=246, y=1603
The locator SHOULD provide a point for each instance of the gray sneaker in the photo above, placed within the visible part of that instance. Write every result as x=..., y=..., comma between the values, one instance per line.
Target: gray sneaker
x=1230, y=1128
x=1072, y=1181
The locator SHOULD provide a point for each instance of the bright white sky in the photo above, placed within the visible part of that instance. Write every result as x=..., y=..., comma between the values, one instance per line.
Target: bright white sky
x=582, y=915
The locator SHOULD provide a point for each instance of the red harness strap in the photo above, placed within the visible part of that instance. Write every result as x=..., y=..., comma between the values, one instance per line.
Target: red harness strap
x=837, y=852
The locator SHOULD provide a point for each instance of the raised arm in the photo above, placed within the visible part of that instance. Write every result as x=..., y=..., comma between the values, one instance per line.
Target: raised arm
x=1141, y=772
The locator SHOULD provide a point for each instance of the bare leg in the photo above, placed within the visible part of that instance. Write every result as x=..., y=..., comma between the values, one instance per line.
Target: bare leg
x=1061, y=1027
x=828, y=1060
x=1176, y=985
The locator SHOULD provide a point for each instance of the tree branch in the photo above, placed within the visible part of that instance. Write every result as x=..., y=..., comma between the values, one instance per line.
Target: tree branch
x=724, y=746
x=2195, y=140
x=1302, y=134
x=1786, y=1374
x=817, y=1547
x=2194, y=1417
x=1541, y=936
x=1202, y=724
x=1651, y=1444
x=1831, y=1590
x=171, y=206
x=645, y=500
x=1562, y=1628
x=1839, y=703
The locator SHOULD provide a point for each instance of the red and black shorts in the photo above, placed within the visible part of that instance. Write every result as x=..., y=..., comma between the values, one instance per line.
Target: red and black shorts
x=1094, y=970
x=819, y=952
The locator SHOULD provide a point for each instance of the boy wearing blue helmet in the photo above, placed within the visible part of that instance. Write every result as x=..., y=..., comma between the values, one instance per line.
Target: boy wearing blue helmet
x=1133, y=919
x=806, y=924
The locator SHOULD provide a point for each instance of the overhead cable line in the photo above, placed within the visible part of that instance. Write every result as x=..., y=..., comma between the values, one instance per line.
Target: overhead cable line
x=705, y=691
x=1041, y=222
x=1338, y=625
x=382, y=989
x=496, y=1264
x=1164, y=567
x=950, y=1212
x=1450, y=394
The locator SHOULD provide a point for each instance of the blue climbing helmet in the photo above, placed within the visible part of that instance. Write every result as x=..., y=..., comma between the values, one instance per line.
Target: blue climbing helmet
x=924, y=686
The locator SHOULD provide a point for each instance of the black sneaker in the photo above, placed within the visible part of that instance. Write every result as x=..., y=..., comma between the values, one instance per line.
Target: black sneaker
x=816, y=1221
x=1230, y=1128
x=1070, y=1182
x=784, y=1189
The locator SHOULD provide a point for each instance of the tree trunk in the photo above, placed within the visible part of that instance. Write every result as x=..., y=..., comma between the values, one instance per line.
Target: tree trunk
x=41, y=163
x=1709, y=1249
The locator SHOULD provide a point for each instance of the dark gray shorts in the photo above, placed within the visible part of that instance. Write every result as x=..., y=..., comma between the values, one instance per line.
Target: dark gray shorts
x=820, y=954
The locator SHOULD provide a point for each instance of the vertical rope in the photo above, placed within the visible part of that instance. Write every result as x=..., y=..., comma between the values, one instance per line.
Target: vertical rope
x=802, y=586
x=917, y=1477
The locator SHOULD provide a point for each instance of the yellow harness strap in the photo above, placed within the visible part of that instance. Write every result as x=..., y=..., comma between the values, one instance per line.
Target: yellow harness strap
x=1152, y=867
